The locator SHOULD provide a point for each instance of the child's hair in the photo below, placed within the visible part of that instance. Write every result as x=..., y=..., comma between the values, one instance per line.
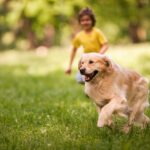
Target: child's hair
x=89, y=12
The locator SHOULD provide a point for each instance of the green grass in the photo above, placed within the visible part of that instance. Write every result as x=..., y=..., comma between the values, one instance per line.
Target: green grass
x=42, y=108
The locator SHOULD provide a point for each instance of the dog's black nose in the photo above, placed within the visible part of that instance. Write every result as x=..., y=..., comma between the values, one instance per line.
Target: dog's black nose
x=82, y=71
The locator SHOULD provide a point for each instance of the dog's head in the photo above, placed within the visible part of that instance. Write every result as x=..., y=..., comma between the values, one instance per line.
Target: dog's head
x=92, y=64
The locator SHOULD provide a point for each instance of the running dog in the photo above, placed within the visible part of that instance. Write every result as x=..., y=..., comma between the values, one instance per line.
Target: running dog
x=114, y=89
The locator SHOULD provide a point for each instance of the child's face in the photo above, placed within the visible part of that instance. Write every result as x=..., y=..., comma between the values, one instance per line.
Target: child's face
x=86, y=22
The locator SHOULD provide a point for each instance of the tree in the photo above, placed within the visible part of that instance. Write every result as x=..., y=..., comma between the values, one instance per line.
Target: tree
x=129, y=14
x=48, y=22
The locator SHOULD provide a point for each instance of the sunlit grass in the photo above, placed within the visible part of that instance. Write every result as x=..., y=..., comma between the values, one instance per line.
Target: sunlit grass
x=43, y=108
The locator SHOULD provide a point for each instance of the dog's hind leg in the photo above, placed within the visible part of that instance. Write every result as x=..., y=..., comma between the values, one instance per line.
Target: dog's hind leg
x=136, y=116
x=138, y=119
x=141, y=120
x=131, y=120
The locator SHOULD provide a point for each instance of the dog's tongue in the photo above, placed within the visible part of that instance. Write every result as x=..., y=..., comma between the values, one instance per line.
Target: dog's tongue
x=87, y=78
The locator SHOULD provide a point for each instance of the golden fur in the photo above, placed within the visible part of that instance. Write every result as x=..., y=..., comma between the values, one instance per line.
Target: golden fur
x=114, y=89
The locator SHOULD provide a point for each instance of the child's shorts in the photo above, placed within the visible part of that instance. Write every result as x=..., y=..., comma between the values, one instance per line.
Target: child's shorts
x=79, y=78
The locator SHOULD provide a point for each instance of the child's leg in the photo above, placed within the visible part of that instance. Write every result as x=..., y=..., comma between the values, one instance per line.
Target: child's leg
x=79, y=78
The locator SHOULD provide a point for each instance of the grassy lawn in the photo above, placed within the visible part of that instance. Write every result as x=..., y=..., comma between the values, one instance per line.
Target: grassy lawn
x=42, y=108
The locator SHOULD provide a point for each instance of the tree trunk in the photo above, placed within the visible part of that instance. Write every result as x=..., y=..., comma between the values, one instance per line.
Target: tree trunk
x=136, y=31
x=26, y=29
x=49, y=34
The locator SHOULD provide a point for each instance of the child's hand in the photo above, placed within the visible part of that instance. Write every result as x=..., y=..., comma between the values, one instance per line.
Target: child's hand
x=68, y=71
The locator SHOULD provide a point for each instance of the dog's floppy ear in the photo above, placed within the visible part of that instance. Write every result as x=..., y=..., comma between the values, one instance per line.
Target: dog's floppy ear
x=107, y=62
x=79, y=64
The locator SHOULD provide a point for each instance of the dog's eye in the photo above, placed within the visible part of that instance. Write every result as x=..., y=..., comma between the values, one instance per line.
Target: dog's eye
x=91, y=62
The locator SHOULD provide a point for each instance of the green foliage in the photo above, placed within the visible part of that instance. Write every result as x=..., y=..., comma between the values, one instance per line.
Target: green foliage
x=42, y=108
x=113, y=17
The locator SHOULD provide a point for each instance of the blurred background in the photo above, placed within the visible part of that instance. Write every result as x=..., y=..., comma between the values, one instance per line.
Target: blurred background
x=41, y=107
x=28, y=24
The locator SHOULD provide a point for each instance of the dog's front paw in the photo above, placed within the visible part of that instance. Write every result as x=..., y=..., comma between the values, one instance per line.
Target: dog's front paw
x=100, y=124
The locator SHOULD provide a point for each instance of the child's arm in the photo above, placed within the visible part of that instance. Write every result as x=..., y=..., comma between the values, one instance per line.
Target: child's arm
x=104, y=48
x=73, y=53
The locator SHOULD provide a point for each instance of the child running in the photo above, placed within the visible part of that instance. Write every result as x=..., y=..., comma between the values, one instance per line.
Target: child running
x=91, y=38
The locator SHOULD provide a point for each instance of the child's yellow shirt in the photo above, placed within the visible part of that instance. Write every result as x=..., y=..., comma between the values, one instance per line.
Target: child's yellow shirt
x=91, y=42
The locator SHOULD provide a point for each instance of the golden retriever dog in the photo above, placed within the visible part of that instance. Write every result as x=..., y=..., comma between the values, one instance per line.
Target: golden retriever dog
x=115, y=90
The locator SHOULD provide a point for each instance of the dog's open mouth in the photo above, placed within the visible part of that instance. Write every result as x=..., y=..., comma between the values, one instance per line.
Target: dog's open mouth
x=89, y=77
